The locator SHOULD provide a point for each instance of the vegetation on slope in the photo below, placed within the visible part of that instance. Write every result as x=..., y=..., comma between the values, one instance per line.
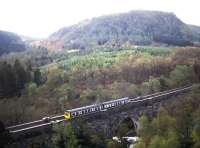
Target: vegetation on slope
x=85, y=78
x=135, y=27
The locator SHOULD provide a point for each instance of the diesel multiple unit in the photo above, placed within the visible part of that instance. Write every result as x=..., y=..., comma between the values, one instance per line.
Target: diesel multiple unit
x=94, y=108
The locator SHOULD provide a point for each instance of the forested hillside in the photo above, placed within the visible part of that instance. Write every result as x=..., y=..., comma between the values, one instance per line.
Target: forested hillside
x=10, y=42
x=84, y=78
x=34, y=90
x=135, y=27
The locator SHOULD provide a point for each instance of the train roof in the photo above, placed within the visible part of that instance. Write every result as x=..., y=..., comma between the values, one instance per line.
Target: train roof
x=83, y=107
x=94, y=105
x=116, y=100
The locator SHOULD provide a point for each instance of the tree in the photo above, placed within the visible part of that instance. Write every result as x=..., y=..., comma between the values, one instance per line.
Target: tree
x=20, y=75
x=159, y=133
x=157, y=142
x=7, y=80
x=152, y=85
x=37, y=77
x=64, y=137
x=182, y=75
x=196, y=68
x=145, y=131
x=196, y=130
x=4, y=135
x=31, y=88
x=163, y=123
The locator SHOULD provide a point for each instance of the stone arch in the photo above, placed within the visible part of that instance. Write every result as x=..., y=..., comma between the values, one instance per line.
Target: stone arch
x=119, y=120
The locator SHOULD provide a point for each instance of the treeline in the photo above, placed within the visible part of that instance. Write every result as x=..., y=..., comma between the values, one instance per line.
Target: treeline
x=13, y=78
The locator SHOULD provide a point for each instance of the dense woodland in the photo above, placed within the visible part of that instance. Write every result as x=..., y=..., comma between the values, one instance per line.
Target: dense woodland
x=31, y=89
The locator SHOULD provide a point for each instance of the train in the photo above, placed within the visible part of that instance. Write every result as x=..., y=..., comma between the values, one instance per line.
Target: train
x=77, y=112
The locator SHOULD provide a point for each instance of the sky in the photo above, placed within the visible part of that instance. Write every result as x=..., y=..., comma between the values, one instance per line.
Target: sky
x=40, y=18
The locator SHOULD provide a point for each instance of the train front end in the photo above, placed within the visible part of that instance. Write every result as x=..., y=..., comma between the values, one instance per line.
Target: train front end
x=67, y=115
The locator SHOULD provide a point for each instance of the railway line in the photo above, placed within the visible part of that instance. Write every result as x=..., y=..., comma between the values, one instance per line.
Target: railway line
x=47, y=122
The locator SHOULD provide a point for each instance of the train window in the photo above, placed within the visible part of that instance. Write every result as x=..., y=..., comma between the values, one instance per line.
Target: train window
x=93, y=109
x=80, y=112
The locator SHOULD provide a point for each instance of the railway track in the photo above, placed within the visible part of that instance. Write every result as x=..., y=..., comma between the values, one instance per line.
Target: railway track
x=160, y=94
x=48, y=122
x=35, y=126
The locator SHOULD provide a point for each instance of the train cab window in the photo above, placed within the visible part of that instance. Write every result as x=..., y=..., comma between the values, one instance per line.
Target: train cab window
x=74, y=114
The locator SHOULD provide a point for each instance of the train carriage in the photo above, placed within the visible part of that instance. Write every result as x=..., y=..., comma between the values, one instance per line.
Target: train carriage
x=69, y=114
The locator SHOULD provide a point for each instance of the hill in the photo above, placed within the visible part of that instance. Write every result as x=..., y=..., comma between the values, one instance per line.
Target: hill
x=10, y=42
x=135, y=27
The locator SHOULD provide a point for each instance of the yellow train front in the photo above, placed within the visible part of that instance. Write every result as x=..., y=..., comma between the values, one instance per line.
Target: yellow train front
x=67, y=115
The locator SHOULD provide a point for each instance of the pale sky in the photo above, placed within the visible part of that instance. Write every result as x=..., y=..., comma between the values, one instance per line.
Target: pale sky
x=40, y=18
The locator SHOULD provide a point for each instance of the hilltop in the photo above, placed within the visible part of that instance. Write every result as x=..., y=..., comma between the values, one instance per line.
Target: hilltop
x=135, y=27
x=10, y=42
